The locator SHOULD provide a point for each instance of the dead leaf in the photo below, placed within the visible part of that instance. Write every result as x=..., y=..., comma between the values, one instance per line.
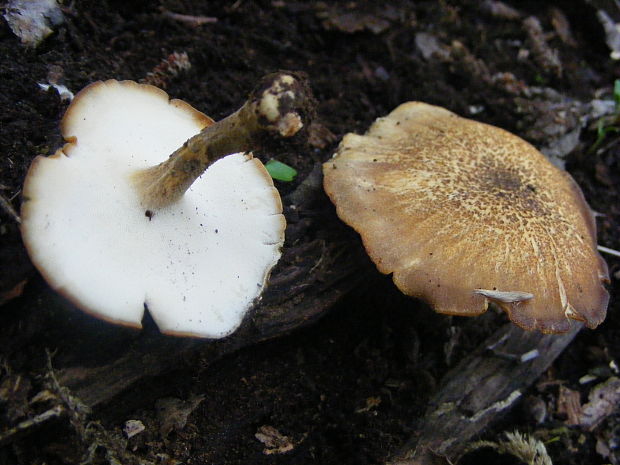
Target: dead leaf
x=569, y=404
x=14, y=292
x=168, y=69
x=500, y=10
x=172, y=413
x=14, y=391
x=607, y=445
x=132, y=428
x=560, y=23
x=535, y=408
x=33, y=20
x=275, y=442
x=547, y=57
x=552, y=121
x=353, y=20
x=371, y=404
x=430, y=47
x=602, y=402
x=44, y=396
x=319, y=136
x=602, y=174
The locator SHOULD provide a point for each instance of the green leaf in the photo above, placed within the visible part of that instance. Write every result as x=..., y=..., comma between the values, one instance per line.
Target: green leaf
x=617, y=92
x=279, y=171
x=601, y=134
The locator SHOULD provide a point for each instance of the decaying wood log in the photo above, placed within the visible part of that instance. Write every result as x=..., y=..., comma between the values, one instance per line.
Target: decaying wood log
x=479, y=390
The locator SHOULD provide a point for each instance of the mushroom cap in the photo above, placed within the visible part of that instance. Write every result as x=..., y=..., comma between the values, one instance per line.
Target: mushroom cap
x=463, y=213
x=197, y=264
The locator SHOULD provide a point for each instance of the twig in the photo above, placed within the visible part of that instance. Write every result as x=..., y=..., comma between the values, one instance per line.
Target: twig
x=76, y=409
x=547, y=57
x=13, y=433
x=5, y=204
x=607, y=250
x=189, y=20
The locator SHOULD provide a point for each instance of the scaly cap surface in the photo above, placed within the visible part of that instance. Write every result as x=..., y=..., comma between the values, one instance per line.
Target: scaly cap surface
x=463, y=213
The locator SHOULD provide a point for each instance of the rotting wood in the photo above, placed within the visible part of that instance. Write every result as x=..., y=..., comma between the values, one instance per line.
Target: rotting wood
x=478, y=391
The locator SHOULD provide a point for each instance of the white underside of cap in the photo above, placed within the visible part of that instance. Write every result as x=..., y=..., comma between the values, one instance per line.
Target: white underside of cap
x=198, y=264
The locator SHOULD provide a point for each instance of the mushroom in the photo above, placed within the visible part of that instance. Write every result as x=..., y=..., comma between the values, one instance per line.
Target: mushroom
x=116, y=233
x=463, y=214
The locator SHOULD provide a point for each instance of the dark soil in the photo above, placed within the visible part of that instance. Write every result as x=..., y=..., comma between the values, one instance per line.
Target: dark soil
x=348, y=389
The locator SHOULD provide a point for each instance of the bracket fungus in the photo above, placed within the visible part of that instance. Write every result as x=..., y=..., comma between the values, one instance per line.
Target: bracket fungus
x=463, y=214
x=116, y=231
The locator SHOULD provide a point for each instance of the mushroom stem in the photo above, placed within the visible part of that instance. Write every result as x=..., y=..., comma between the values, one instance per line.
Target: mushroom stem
x=275, y=106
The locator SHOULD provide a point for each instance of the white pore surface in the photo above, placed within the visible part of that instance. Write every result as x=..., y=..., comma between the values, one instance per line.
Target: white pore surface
x=198, y=264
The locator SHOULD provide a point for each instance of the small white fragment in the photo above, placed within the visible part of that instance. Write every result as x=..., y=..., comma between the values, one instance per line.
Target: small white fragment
x=132, y=428
x=33, y=20
x=561, y=146
x=531, y=355
x=500, y=10
x=614, y=366
x=585, y=379
x=600, y=108
x=498, y=406
x=289, y=124
x=607, y=250
x=498, y=343
x=612, y=33
x=505, y=296
x=63, y=91
x=382, y=73
x=570, y=312
x=287, y=79
x=430, y=47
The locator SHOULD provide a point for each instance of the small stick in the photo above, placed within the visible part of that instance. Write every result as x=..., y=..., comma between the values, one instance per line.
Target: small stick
x=607, y=250
x=23, y=426
x=190, y=20
x=5, y=204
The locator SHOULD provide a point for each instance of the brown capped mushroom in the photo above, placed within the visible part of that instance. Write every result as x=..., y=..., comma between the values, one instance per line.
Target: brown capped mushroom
x=463, y=214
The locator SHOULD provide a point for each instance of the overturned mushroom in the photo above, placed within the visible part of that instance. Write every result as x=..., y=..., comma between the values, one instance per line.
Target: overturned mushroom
x=115, y=232
x=463, y=213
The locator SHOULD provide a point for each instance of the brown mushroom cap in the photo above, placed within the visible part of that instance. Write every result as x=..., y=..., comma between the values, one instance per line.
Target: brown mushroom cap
x=463, y=213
